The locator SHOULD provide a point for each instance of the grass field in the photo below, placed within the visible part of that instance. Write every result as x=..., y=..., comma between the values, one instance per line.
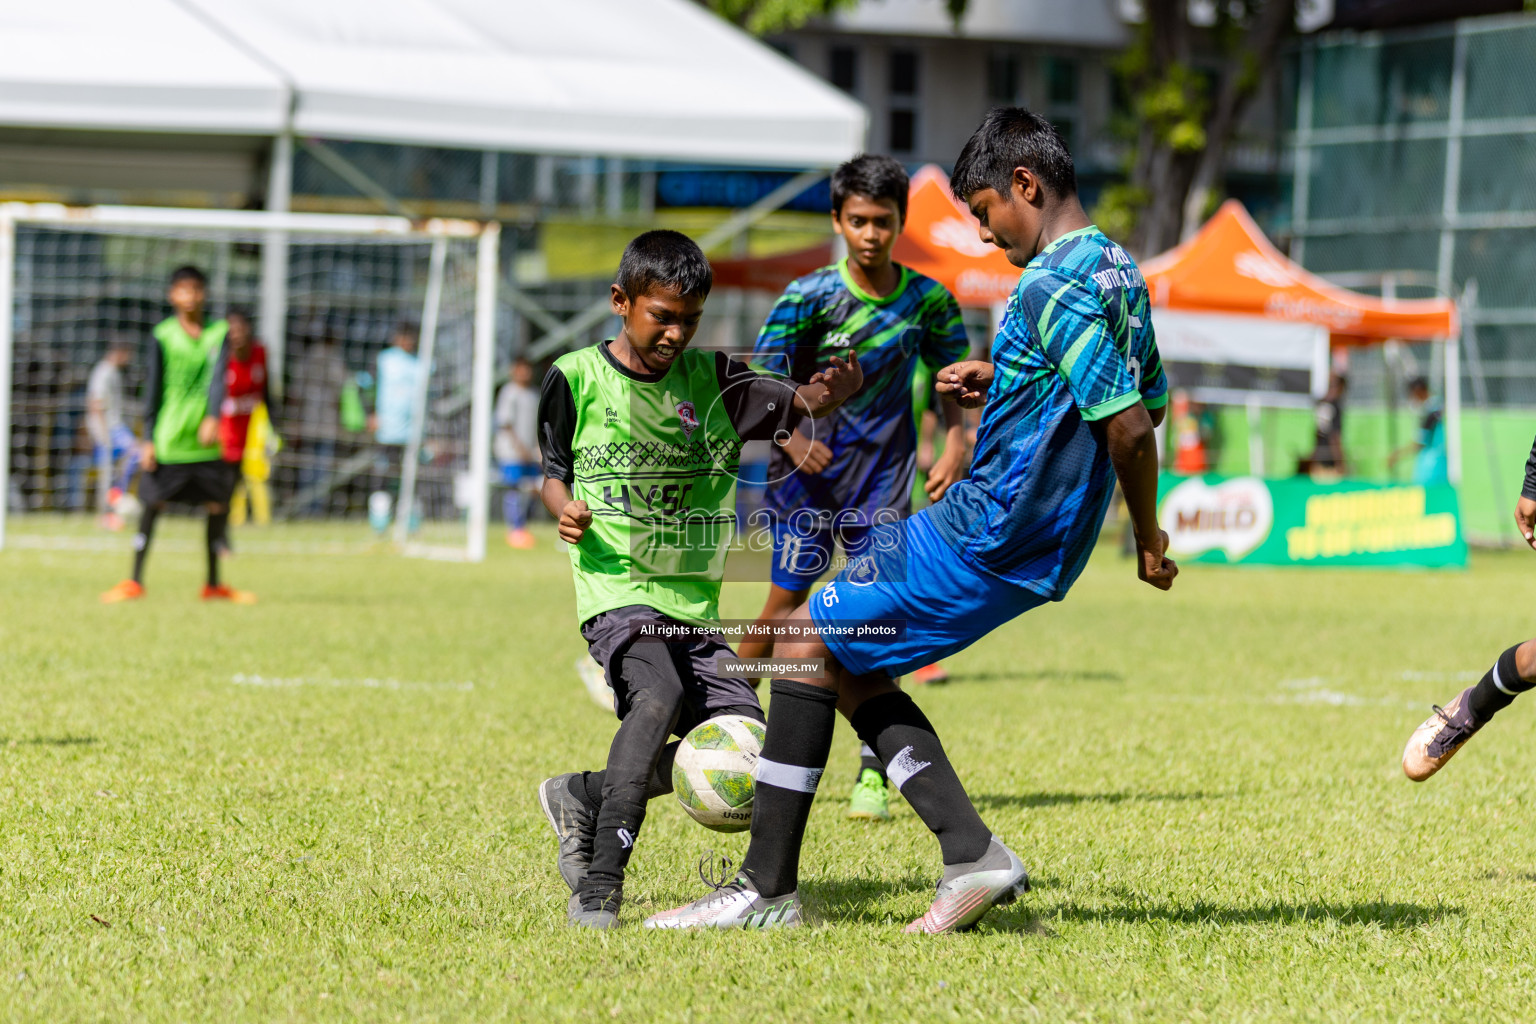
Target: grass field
x=323, y=807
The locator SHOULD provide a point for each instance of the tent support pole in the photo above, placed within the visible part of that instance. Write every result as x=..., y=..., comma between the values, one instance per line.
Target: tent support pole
x=7, y=321
x=1480, y=393
x=1255, y=437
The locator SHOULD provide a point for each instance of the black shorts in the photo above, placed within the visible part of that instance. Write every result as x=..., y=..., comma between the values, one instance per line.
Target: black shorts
x=706, y=693
x=190, y=483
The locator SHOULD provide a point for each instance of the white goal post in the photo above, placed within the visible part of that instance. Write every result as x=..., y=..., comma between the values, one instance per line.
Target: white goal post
x=78, y=282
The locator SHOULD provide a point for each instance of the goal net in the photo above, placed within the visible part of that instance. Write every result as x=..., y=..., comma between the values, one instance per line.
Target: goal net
x=362, y=451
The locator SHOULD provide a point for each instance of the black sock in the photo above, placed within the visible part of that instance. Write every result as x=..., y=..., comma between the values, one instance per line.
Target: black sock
x=141, y=540
x=655, y=696
x=216, y=525
x=801, y=718
x=588, y=786
x=899, y=731
x=1498, y=687
x=869, y=761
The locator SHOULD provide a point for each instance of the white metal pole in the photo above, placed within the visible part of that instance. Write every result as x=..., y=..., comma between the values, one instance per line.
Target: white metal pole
x=1255, y=437
x=274, y=260
x=7, y=321
x=1453, y=408
x=412, y=455
x=481, y=398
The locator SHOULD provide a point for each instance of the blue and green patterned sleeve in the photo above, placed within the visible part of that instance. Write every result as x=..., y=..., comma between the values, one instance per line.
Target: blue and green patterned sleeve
x=789, y=323
x=1154, y=381
x=1075, y=331
x=944, y=341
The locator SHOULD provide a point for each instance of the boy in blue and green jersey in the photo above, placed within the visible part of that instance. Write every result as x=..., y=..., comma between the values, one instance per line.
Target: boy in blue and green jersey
x=641, y=439
x=836, y=479
x=1069, y=404
x=181, y=458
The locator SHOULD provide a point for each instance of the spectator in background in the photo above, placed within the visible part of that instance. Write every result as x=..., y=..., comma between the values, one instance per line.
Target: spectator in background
x=115, y=448
x=1328, y=421
x=240, y=386
x=313, y=420
x=397, y=378
x=517, y=449
x=1428, y=449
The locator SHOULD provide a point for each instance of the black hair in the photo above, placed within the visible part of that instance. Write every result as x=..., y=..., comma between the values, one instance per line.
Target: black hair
x=1418, y=382
x=664, y=260
x=406, y=328
x=1012, y=137
x=188, y=273
x=878, y=177
x=241, y=312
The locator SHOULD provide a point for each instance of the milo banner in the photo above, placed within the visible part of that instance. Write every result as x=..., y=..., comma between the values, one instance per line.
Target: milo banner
x=1248, y=521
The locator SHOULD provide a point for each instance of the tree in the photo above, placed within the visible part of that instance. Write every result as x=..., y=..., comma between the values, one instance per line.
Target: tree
x=765, y=17
x=1190, y=86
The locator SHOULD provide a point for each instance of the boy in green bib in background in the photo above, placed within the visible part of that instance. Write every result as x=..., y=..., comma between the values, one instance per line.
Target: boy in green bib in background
x=181, y=457
x=641, y=439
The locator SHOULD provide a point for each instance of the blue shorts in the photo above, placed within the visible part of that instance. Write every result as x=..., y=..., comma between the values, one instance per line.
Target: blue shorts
x=514, y=473
x=910, y=578
x=802, y=548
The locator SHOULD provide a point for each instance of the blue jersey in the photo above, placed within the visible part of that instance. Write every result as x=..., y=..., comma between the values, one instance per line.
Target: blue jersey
x=872, y=436
x=1075, y=346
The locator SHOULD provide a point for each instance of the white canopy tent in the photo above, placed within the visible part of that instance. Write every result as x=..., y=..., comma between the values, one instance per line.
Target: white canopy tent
x=633, y=78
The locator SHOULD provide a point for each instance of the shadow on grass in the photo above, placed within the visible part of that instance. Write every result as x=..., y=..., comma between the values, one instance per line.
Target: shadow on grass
x=1378, y=913
x=50, y=741
x=1045, y=675
x=994, y=801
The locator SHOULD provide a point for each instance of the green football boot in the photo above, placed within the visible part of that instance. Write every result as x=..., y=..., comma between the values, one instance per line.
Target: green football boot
x=870, y=801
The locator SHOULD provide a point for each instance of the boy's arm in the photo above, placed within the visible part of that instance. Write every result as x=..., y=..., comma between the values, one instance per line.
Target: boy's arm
x=208, y=430
x=764, y=408
x=945, y=343
x=1106, y=386
x=557, y=429
x=1133, y=451
x=153, y=385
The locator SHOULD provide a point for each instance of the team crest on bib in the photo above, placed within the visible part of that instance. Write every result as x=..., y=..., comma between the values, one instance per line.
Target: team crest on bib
x=688, y=417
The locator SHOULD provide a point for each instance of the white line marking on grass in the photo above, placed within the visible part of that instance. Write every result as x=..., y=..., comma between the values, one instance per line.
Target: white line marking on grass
x=242, y=679
x=1411, y=676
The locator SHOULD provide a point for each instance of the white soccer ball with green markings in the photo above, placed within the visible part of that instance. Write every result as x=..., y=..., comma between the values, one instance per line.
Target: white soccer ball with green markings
x=712, y=774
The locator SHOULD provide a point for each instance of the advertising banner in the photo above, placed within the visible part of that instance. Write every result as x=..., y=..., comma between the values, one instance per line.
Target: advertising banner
x=1246, y=520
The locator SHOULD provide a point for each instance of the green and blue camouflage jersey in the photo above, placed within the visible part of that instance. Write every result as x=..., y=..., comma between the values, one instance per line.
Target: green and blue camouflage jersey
x=1075, y=346
x=872, y=436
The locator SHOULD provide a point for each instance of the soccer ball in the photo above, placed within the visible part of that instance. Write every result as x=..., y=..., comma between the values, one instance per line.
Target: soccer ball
x=128, y=507
x=712, y=774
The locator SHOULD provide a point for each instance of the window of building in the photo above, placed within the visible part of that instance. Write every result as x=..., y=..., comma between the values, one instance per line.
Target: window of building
x=903, y=73
x=1002, y=78
x=1061, y=80
x=903, y=131
x=845, y=68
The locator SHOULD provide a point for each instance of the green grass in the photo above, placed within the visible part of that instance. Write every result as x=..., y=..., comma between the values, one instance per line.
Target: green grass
x=1204, y=785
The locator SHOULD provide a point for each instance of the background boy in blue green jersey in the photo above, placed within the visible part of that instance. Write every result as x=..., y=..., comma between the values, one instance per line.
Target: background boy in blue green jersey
x=854, y=470
x=641, y=440
x=181, y=458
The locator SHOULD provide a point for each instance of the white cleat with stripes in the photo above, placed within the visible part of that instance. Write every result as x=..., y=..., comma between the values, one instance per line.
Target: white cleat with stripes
x=968, y=891
x=732, y=906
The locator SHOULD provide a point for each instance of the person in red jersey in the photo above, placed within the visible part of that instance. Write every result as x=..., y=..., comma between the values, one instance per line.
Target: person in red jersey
x=240, y=384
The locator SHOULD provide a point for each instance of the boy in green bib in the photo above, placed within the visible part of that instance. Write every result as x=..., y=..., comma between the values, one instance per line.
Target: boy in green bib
x=181, y=457
x=641, y=439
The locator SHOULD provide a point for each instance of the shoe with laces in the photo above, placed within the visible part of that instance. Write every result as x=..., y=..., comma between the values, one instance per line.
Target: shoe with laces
x=870, y=800
x=575, y=826
x=128, y=590
x=1437, y=740
x=593, y=910
x=968, y=891
x=225, y=592
x=733, y=904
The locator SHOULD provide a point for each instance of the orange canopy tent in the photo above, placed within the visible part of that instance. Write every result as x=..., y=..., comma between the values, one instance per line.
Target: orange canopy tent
x=939, y=239
x=1230, y=267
